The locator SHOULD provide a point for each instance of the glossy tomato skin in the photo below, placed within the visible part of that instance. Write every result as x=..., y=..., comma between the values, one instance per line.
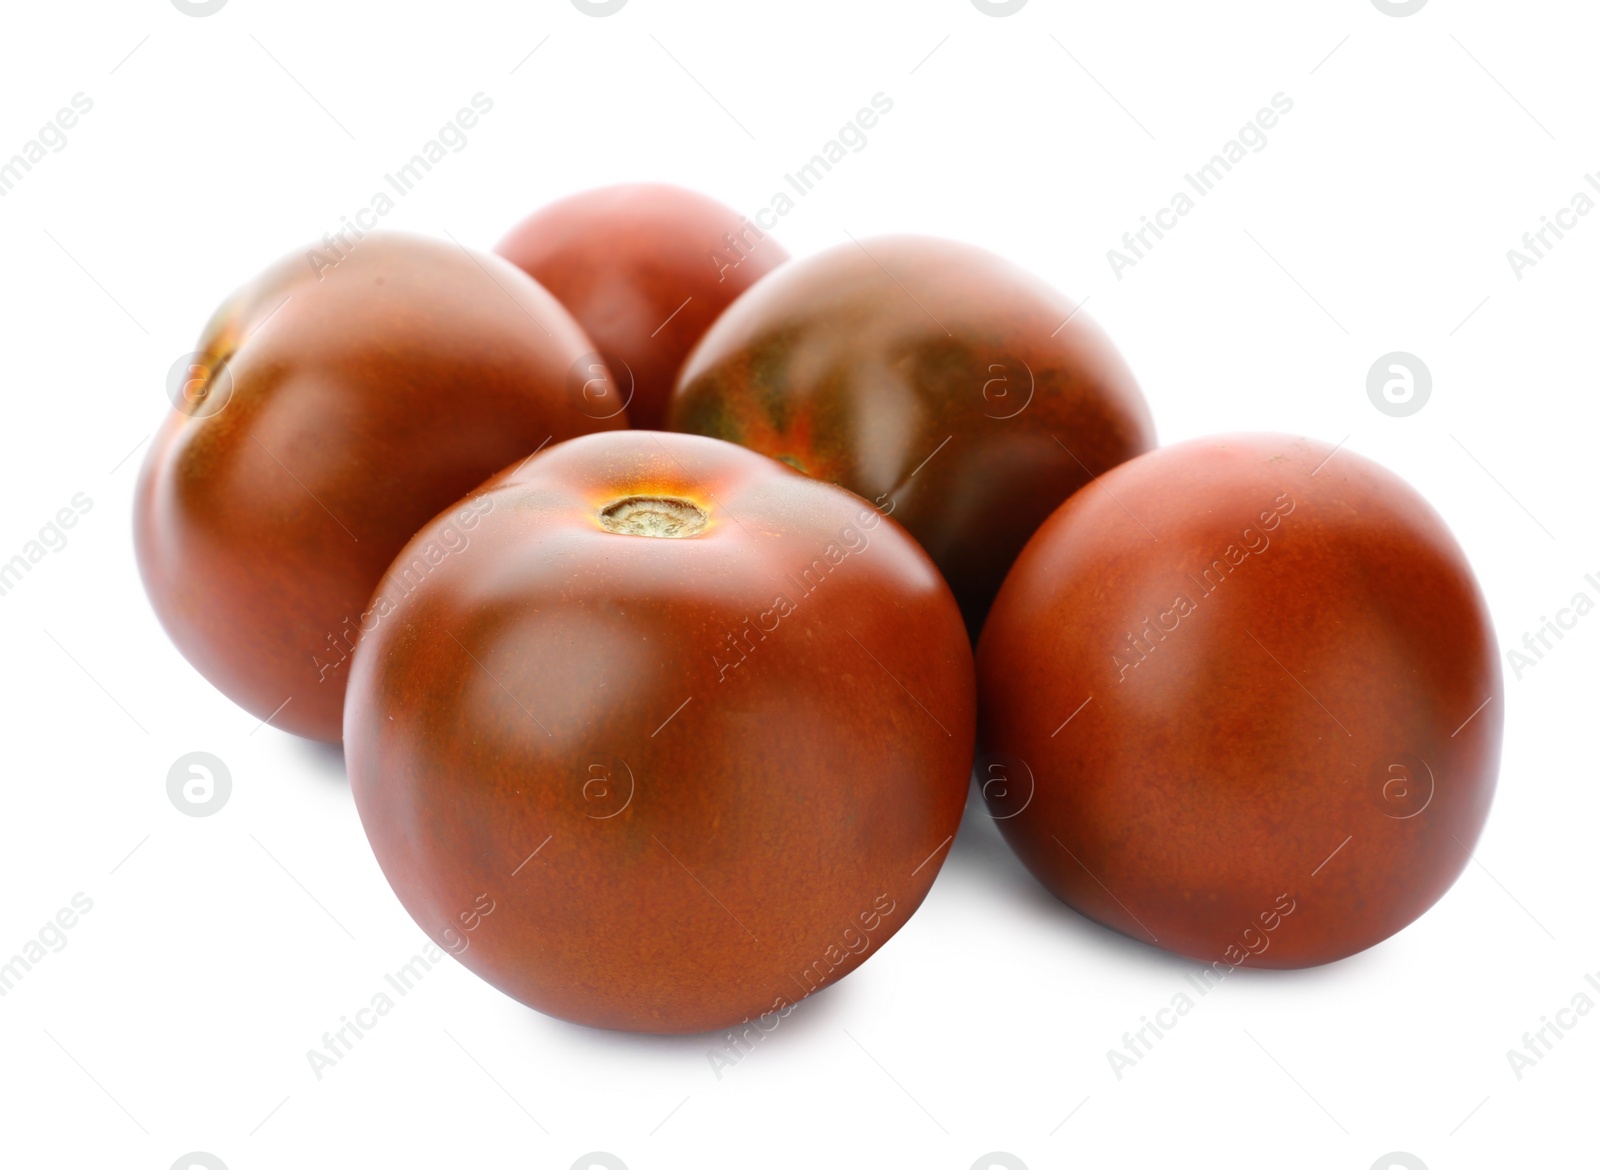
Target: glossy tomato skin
x=697, y=776
x=645, y=268
x=1247, y=701
x=346, y=406
x=931, y=377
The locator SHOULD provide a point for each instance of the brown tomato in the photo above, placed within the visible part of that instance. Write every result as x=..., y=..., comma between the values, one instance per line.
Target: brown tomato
x=645, y=268
x=698, y=728
x=1244, y=704
x=952, y=388
x=331, y=412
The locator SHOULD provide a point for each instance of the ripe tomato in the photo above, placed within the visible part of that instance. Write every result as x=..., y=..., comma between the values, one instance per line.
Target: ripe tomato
x=949, y=386
x=645, y=268
x=338, y=409
x=1244, y=703
x=699, y=728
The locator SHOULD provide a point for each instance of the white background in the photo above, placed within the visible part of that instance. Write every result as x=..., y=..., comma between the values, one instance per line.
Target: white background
x=1377, y=218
